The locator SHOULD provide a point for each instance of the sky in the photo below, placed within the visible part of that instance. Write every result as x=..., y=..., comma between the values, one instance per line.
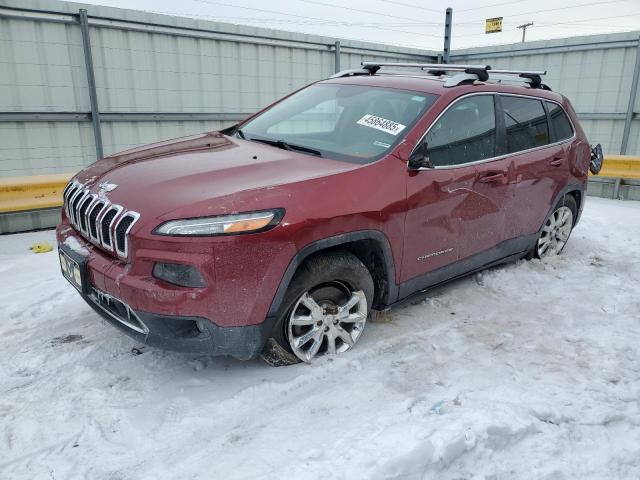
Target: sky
x=410, y=23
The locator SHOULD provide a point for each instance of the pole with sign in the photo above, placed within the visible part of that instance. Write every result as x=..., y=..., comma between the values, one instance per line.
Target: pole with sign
x=493, y=25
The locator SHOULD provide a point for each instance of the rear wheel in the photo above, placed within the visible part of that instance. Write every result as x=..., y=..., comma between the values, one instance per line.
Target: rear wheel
x=556, y=230
x=324, y=312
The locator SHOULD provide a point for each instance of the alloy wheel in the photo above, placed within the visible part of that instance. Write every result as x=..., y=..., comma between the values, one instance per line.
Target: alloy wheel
x=329, y=319
x=555, y=232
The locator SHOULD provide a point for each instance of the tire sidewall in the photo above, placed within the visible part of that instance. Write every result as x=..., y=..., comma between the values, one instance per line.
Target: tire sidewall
x=323, y=268
x=565, y=201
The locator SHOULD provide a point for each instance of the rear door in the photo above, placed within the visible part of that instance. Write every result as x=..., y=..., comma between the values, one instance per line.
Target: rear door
x=541, y=164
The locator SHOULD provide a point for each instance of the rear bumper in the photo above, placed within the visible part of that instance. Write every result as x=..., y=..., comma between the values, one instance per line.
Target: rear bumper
x=182, y=334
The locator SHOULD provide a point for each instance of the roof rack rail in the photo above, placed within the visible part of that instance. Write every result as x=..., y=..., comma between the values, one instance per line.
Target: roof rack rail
x=351, y=73
x=467, y=73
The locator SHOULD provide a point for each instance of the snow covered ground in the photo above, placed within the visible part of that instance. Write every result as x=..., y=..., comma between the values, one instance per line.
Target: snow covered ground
x=530, y=370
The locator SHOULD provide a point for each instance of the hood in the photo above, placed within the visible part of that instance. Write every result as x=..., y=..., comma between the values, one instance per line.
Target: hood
x=208, y=174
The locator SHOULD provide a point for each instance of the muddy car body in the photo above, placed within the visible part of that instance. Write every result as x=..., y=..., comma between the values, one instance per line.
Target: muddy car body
x=210, y=243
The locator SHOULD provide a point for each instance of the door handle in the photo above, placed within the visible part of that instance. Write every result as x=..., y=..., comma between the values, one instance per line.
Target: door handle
x=557, y=161
x=492, y=177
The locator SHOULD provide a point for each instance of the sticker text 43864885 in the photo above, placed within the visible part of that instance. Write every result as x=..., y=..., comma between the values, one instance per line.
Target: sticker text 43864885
x=382, y=124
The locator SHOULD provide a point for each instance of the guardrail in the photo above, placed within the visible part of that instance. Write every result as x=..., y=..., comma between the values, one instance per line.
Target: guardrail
x=621, y=166
x=38, y=192
x=23, y=194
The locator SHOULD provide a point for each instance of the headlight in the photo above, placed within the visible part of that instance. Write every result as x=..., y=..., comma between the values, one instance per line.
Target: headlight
x=223, y=225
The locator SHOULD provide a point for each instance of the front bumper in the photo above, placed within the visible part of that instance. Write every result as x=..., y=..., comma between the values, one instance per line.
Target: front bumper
x=191, y=334
x=182, y=334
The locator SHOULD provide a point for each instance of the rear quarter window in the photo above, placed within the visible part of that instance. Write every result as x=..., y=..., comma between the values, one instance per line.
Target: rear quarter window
x=560, y=122
x=526, y=123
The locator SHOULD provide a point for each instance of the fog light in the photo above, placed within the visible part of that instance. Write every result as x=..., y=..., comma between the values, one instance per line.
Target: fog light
x=178, y=274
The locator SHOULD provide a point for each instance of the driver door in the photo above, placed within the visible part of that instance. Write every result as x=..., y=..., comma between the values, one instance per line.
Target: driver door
x=456, y=208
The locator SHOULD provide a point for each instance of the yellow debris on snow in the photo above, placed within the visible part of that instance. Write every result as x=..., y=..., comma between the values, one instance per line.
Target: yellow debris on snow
x=42, y=247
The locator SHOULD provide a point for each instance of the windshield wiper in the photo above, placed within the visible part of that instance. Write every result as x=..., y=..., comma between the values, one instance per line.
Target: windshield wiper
x=288, y=146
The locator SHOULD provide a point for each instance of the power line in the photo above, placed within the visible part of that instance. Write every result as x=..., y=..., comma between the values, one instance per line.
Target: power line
x=209, y=2
x=327, y=22
x=574, y=23
x=533, y=12
x=296, y=22
x=493, y=5
x=566, y=8
x=420, y=7
x=369, y=12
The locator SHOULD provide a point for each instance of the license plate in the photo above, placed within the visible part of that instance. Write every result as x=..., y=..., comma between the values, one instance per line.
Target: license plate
x=72, y=270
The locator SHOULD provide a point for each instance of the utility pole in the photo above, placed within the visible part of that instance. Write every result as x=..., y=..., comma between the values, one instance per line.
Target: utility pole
x=447, y=35
x=524, y=29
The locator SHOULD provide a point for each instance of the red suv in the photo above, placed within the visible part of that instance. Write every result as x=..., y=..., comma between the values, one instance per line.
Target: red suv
x=278, y=236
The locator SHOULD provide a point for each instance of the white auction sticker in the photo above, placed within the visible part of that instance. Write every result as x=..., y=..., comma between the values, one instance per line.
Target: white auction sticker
x=379, y=123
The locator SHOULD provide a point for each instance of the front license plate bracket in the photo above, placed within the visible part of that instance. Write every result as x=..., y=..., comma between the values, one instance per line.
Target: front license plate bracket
x=74, y=268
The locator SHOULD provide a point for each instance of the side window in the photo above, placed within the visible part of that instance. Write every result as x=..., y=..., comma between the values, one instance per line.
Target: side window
x=465, y=133
x=559, y=121
x=526, y=123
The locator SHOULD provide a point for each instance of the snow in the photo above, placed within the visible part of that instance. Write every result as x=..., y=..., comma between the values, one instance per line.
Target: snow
x=75, y=245
x=530, y=370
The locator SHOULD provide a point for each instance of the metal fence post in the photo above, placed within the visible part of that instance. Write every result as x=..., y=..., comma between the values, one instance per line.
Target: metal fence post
x=628, y=120
x=337, y=56
x=91, y=82
x=447, y=35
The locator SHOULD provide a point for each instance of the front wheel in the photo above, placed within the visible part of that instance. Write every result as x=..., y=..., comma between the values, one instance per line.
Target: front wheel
x=556, y=231
x=324, y=312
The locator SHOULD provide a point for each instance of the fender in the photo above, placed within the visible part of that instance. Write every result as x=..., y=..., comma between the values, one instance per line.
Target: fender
x=375, y=235
x=572, y=187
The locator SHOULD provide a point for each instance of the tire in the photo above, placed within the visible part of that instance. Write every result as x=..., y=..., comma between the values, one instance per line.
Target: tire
x=324, y=310
x=555, y=232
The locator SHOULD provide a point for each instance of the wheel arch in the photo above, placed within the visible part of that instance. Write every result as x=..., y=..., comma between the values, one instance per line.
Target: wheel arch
x=577, y=195
x=573, y=190
x=371, y=247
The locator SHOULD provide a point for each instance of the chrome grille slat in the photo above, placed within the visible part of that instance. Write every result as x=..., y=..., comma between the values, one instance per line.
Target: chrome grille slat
x=122, y=229
x=92, y=219
x=72, y=201
x=68, y=195
x=104, y=224
x=82, y=211
x=77, y=202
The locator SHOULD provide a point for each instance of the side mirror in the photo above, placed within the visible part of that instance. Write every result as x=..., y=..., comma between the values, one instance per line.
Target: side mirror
x=597, y=158
x=419, y=158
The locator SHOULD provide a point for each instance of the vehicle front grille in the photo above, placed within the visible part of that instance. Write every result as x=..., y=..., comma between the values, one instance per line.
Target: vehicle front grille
x=105, y=224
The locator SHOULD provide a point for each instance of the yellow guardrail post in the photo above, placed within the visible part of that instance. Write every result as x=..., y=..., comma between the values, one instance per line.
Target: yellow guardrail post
x=20, y=194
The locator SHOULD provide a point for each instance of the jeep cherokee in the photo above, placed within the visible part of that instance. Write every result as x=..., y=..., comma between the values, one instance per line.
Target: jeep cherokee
x=279, y=235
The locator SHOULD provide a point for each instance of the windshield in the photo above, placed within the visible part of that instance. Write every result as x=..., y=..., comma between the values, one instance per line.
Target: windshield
x=344, y=122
